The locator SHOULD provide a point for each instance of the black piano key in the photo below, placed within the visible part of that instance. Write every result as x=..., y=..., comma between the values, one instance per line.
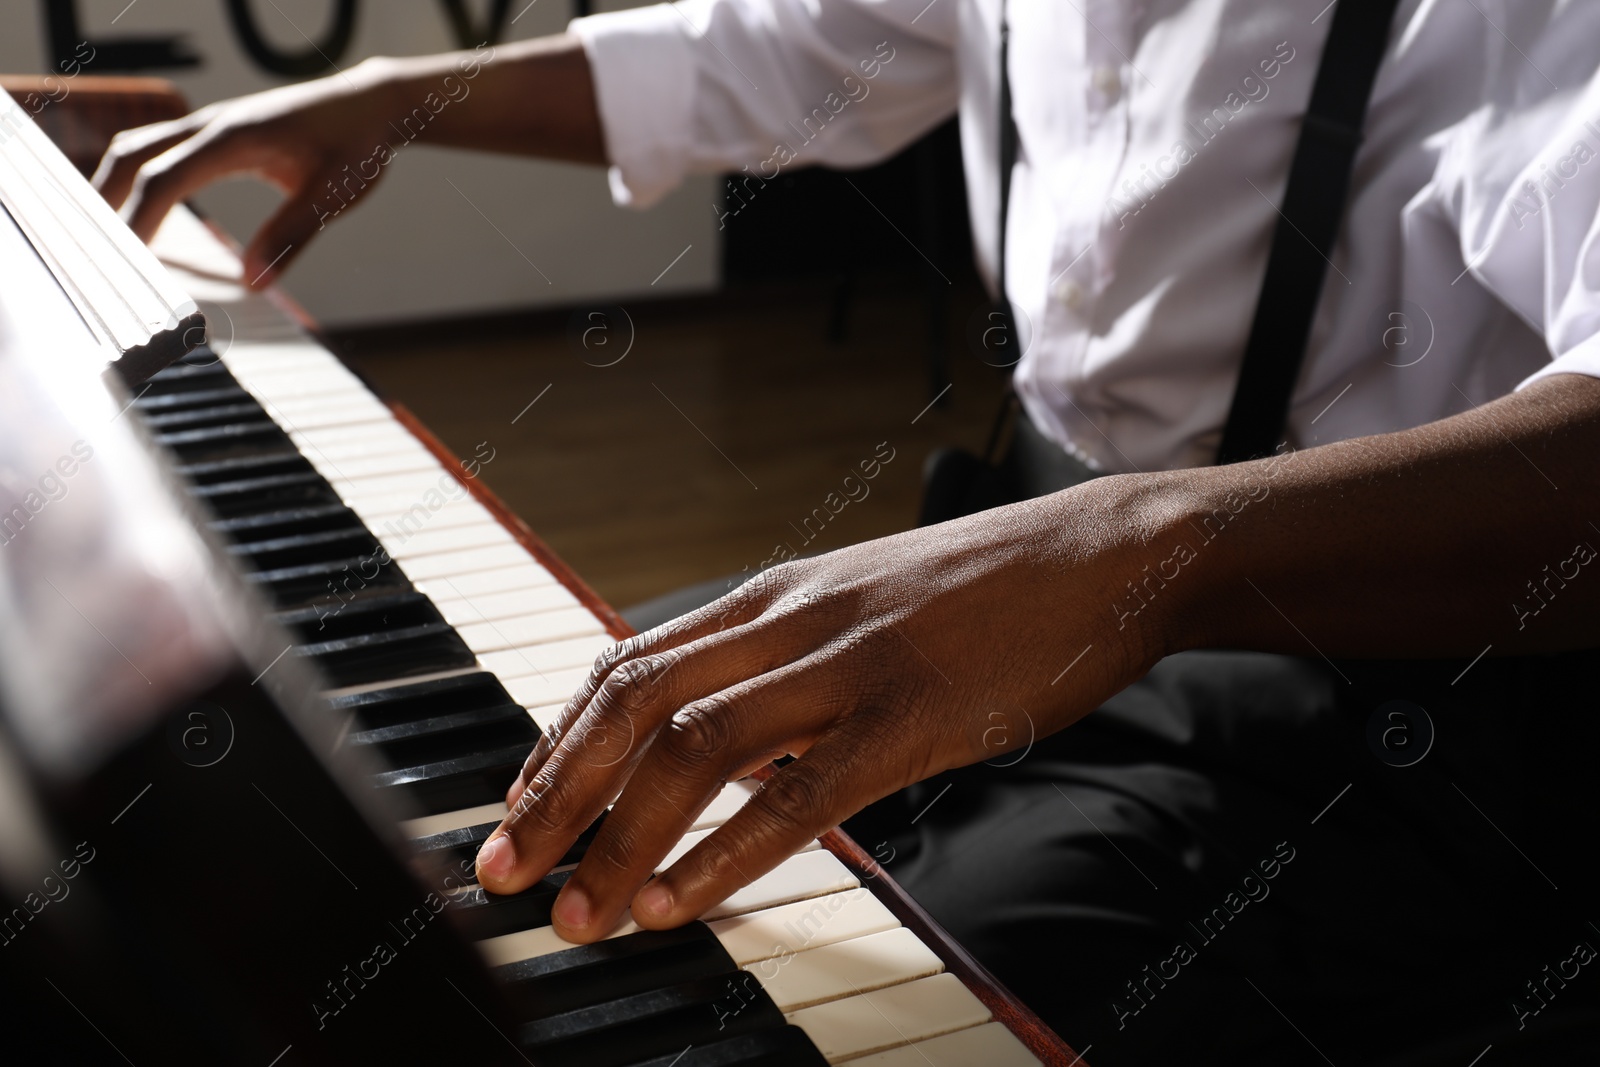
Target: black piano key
x=461, y=782
x=480, y=914
x=388, y=653
x=326, y=588
x=315, y=546
x=212, y=442
x=285, y=523
x=272, y=493
x=186, y=418
x=152, y=403
x=187, y=377
x=659, y=1022
x=456, y=849
x=421, y=700
x=783, y=1046
x=448, y=736
x=617, y=967
x=265, y=464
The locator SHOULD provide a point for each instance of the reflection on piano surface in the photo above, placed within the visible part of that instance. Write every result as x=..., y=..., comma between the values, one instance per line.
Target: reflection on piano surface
x=268, y=668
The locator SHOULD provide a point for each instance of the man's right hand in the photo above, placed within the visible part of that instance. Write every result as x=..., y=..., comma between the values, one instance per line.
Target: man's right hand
x=297, y=138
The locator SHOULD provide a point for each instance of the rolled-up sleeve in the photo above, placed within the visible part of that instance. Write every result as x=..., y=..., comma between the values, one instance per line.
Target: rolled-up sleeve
x=717, y=85
x=1523, y=182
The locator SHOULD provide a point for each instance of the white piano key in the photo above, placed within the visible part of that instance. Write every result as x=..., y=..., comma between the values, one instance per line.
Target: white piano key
x=549, y=687
x=806, y=924
x=545, y=717
x=757, y=936
x=529, y=629
x=694, y=836
x=459, y=610
x=357, y=438
x=531, y=944
x=898, y=1015
x=525, y=575
x=846, y=968
x=990, y=1044
x=415, y=484
x=363, y=410
x=454, y=820
x=725, y=803
x=349, y=467
x=451, y=564
x=407, y=513
x=810, y=874
x=551, y=656
x=428, y=541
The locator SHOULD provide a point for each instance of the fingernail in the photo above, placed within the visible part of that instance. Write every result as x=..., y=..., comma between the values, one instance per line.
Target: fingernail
x=572, y=908
x=496, y=858
x=654, y=900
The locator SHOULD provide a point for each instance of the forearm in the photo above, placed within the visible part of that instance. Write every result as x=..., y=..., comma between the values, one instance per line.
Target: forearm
x=532, y=98
x=1473, y=531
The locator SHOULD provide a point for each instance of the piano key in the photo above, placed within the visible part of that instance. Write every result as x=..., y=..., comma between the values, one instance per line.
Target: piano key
x=846, y=968
x=806, y=924
x=536, y=628
x=493, y=606
x=456, y=849
x=990, y=1044
x=460, y=733
x=524, y=575
x=426, y=825
x=785, y=1046
x=459, y=782
x=807, y=876
x=655, y=1023
x=898, y=1015
x=548, y=687
x=546, y=656
x=451, y=564
x=695, y=836
x=429, y=540
x=619, y=966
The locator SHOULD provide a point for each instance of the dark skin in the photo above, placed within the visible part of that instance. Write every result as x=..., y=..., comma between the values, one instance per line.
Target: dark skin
x=886, y=662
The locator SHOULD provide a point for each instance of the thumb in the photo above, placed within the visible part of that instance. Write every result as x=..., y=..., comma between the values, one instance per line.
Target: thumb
x=281, y=238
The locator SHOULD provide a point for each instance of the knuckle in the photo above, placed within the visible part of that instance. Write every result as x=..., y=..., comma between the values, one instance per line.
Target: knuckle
x=794, y=801
x=699, y=733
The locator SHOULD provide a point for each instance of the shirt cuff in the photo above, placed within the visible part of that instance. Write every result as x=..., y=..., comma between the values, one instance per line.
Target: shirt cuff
x=1582, y=358
x=644, y=81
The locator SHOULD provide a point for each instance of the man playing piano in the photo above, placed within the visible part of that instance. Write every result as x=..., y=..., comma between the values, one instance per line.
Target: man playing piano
x=1258, y=762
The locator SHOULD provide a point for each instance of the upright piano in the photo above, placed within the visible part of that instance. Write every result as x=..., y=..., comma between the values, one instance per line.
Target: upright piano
x=269, y=658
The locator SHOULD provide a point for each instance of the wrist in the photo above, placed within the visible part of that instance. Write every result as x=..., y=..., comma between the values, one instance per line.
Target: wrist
x=1168, y=561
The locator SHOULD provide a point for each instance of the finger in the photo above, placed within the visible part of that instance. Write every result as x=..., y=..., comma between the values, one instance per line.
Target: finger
x=838, y=776
x=283, y=236
x=592, y=758
x=723, y=616
x=696, y=753
x=131, y=149
x=190, y=165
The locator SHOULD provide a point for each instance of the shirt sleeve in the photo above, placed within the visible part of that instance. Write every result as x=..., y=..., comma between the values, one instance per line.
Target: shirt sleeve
x=723, y=85
x=1523, y=183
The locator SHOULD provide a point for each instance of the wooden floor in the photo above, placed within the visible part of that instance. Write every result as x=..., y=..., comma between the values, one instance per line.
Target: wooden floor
x=702, y=451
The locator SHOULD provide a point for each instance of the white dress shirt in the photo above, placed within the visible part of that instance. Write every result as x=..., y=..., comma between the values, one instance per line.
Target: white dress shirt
x=1155, y=141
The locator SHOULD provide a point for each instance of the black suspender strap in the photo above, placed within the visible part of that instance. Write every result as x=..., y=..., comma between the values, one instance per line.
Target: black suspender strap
x=1308, y=221
x=1308, y=224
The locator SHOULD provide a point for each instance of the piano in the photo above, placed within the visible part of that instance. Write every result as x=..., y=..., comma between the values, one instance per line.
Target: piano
x=270, y=656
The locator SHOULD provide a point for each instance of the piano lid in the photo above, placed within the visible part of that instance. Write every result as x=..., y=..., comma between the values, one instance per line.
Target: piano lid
x=107, y=608
x=140, y=318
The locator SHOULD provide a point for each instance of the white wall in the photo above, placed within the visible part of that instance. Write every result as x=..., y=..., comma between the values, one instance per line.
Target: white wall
x=415, y=248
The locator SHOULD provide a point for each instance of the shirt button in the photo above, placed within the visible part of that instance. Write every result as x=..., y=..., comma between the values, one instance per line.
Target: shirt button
x=1107, y=82
x=1068, y=293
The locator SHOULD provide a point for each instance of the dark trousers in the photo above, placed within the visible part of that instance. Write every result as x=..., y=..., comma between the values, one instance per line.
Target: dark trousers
x=1246, y=858
x=1234, y=861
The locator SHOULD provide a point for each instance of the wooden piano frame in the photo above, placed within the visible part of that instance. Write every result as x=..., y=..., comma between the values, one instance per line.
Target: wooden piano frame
x=82, y=113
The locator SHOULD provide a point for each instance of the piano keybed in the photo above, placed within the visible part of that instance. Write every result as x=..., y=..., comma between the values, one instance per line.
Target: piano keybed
x=451, y=646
